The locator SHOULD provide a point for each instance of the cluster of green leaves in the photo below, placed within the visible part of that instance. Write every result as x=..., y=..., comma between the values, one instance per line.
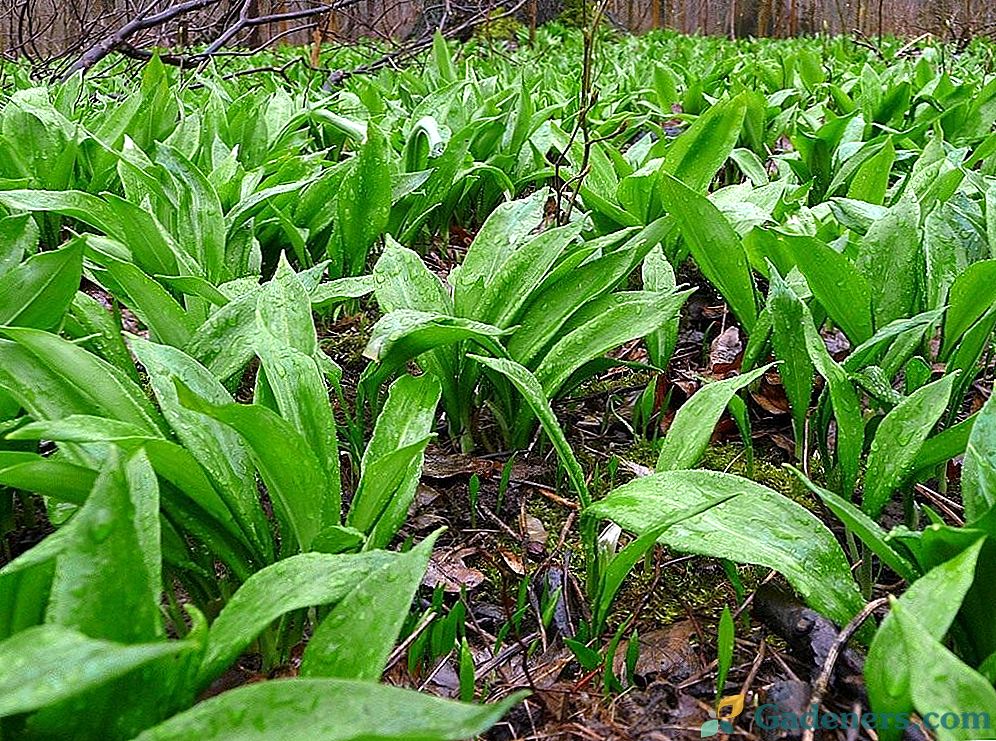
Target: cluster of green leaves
x=815, y=188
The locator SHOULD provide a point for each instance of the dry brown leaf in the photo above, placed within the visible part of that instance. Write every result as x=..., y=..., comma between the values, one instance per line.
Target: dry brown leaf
x=447, y=568
x=662, y=652
x=725, y=351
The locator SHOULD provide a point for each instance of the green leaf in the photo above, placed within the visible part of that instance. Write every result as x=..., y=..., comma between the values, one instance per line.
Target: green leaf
x=696, y=155
x=658, y=275
x=200, y=220
x=749, y=523
x=693, y=425
x=46, y=476
x=714, y=245
x=507, y=290
x=935, y=599
x=898, y=439
x=224, y=342
x=835, y=282
x=603, y=325
x=871, y=181
x=153, y=304
x=789, y=340
x=304, y=580
x=37, y=292
x=87, y=208
x=405, y=334
x=978, y=473
x=297, y=491
x=891, y=259
x=942, y=682
x=392, y=461
x=330, y=709
x=724, y=650
x=114, y=551
x=347, y=646
x=19, y=236
x=533, y=394
x=972, y=294
x=869, y=531
x=500, y=235
x=364, y=201
x=49, y=663
x=90, y=384
x=843, y=397
x=219, y=449
x=403, y=281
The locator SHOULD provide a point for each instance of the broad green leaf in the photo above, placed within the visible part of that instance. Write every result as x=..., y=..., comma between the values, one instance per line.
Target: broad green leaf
x=844, y=399
x=402, y=281
x=693, y=425
x=46, y=476
x=942, y=681
x=37, y=292
x=19, y=236
x=98, y=330
x=347, y=646
x=508, y=289
x=304, y=580
x=200, y=221
x=789, y=340
x=364, y=201
x=405, y=334
x=947, y=251
x=714, y=245
x=330, y=709
x=49, y=663
x=898, y=439
x=971, y=295
x=91, y=384
x=158, y=310
x=341, y=289
x=87, y=208
x=114, y=551
x=749, y=523
x=935, y=599
x=603, y=325
x=224, y=343
x=507, y=226
x=563, y=293
x=871, y=181
x=836, y=283
x=658, y=275
x=869, y=531
x=219, y=449
x=403, y=428
x=978, y=473
x=696, y=155
x=891, y=259
x=297, y=491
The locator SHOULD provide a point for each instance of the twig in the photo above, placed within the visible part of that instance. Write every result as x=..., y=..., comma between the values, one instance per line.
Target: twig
x=823, y=679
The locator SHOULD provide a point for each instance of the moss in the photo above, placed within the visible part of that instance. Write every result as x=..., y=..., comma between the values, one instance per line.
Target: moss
x=498, y=27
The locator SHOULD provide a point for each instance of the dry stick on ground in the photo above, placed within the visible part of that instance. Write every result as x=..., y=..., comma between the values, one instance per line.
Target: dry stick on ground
x=823, y=680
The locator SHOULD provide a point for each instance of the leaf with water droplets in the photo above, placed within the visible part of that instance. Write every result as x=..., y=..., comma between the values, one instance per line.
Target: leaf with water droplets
x=749, y=523
x=898, y=440
x=329, y=709
x=49, y=663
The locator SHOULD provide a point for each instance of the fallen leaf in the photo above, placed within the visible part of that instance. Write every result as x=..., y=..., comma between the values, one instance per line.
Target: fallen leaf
x=447, y=568
x=665, y=652
x=724, y=352
x=534, y=530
